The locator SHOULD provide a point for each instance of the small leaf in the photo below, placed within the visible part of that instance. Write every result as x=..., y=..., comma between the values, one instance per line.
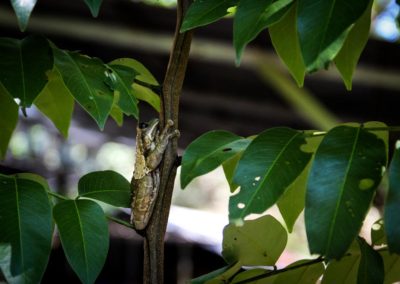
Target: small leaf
x=204, y=278
x=84, y=236
x=322, y=28
x=208, y=152
x=392, y=204
x=254, y=16
x=107, y=186
x=26, y=228
x=94, y=6
x=8, y=121
x=302, y=275
x=371, y=268
x=378, y=236
x=347, y=58
x=268, y=166
x=56, y=102
x=23, y=66
x=343, y=271
x=392, y=267
x=346, y=170
x=201, y=13
x=117, y=114
x=23, y=10
x=218, y=276
x=285, y=40
x=229, y=167
x=255, y=242
x=247, y=275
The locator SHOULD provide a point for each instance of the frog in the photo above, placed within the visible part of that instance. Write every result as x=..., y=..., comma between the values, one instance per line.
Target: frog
x=151, y=143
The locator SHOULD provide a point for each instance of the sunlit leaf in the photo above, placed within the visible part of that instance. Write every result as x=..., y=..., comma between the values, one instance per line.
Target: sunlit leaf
x=208, y=152
x=302, y=275
x=219, y=276
x=8, y=121
x=23, y=10
x=268, y=166
x=345, y=172
x=347, y=58
x=254, y=242
x=117, y=114
x=26, y=228
x=83, y=230
x=204, y=12
x=23, y=67
x=370, y=270
x=204, y=278
x=322, y=27
x=229, y=167
x=107, y=186
x=94, y=6
x=253, y=273
x=392, y=267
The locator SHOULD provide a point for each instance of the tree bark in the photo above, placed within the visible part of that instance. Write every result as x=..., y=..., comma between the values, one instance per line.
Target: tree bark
x=153, y=272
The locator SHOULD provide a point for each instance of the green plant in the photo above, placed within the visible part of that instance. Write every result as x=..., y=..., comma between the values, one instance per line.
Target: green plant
x=333, y=175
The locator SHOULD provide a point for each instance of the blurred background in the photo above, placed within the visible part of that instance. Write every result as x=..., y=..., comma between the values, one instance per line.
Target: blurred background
x=217, y=95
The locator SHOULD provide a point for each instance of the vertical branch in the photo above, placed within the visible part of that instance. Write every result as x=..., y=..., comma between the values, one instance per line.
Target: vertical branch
x=172, y=88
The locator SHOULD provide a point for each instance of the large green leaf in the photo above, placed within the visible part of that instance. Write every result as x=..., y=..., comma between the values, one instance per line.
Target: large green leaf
x=302, y=275
x=94, y=6
x=83, y=230
x=26, y=228
x=86, y=79
x=347, y=58
x=23, y=66
x=208, y=152
x=8, y=121
x=322, y=27
x=255, y=242
x=268, y=166
x=392, y=205
x=371, y=269
x=56, y=102
x=23, y=10
x=345, y=172
x=392, y=267
x=285, y=40
x=254, y=16
x=107, y=186
x=204, y=12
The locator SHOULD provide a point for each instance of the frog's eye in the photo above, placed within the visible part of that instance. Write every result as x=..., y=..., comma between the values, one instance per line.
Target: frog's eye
x=143, y=125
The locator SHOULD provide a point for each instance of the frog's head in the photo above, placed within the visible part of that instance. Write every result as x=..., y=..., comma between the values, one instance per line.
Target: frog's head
x=149, y=131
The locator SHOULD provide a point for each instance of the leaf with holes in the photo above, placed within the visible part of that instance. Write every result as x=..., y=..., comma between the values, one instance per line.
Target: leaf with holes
x=371, y=269
x=378, y=236
x=106, y=186
x=346, y=170
x=26, y=228
x=272, y=161
x=23, y=67
x=23, y=10
x=94, y=6
x=8, y=121
x=208, y=152
x=83, y=230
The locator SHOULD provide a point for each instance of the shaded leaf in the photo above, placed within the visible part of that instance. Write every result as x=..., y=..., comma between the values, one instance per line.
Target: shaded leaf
x=26, y=228
x=254, y=16
x=268, y=166
x=206, y=277
x=107, y=186
x=117, y=114
x=371, y=268
x=322, y=27
x=229, y=167
x=8, y=121
x=347, y=58
x=252, y=273
x=208, y=152
x=345, y=172
x=285, y=40
x=23, y=66
x=254, y=242
x=302, y=275
x=56, y=102
x=23, y=10
x=94, y=6
x=391, y=263
x=219, y=276
x=201, y=13
x=83, y=231
x=378, y=236
x=343, y=271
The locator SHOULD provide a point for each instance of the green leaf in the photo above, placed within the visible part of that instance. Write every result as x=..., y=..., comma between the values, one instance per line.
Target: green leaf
x=84, y=236
x=117, y=114
x=122, y=79
x=85, y=78
x=302, y=275
x=142, y=93
x=347, y=58
x=322, y=28
x=206, y=277
x=94, y=6
x=345, y=172
x=218, y=276
x=378, y=236
x=26, y=228
x=268, y=166
x=392, y=267
x=229, y=167
x=371, y=269
x=8, y=121
x=23, y=67
x=208, y=152
x=251, y=273
x=107, y=186
x=254, y=16
x=254, y=242
x=392, y=204
x=204, y=12
x=343, y=271
x=23, y=10
x=56, y=102
x=285, y=40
